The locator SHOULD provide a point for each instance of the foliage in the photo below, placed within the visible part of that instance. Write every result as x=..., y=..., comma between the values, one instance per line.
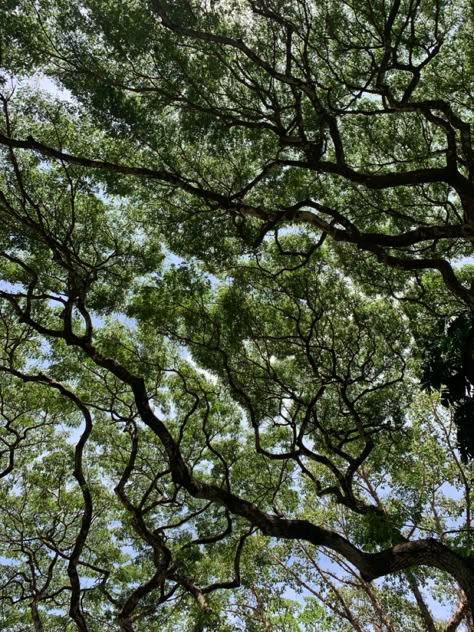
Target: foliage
x=445, y=368
x=236, y=360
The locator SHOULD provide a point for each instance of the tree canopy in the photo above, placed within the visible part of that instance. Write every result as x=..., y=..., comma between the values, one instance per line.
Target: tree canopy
x=236, y=315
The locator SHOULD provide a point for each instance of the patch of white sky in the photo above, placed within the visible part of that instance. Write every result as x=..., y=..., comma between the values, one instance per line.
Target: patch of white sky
x=463, y=261
x=11, y=288
x=46, y=84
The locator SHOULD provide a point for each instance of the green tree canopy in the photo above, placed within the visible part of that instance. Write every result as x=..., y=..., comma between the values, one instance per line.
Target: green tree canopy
x=234, y=245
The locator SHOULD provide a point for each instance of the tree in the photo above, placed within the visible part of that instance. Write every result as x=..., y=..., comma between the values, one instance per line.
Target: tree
x=221, y=257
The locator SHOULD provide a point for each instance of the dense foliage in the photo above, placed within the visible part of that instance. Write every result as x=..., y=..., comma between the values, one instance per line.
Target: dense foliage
x=236, y=315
